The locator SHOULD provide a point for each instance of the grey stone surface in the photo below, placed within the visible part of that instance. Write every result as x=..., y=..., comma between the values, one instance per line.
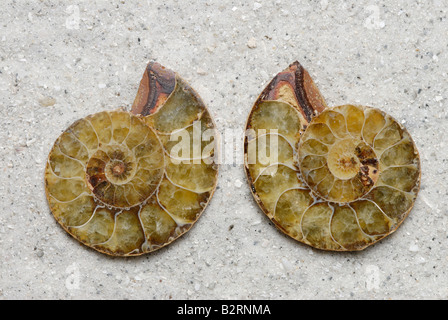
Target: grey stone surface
x=62, y=60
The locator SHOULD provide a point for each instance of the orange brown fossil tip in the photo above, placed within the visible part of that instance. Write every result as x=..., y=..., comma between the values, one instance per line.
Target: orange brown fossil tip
x=296, y=87
x=156, y=86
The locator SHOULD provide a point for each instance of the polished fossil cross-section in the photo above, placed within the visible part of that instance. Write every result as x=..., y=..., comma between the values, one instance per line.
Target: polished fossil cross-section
x=112, y=181
x=343, y=178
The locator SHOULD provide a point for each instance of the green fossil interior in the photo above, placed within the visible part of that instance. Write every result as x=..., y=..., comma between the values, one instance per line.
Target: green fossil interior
x=344, y=183
x=112, y=184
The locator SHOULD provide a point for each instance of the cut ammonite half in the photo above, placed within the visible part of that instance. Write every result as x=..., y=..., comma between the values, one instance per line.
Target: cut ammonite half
x=338, y=179
x=128, y=183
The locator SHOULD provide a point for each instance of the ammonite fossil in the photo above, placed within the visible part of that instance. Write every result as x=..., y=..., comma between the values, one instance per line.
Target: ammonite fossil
x=119, y=181
x=337, y=179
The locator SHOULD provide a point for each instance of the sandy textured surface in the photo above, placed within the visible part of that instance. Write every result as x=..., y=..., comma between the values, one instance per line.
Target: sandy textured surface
x=60, y=61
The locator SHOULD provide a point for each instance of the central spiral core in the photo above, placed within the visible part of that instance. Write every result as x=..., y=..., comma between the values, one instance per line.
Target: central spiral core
x=342, y=160
x=125, y=171
x=120, y=165
x=338, y=165
x=118, y=169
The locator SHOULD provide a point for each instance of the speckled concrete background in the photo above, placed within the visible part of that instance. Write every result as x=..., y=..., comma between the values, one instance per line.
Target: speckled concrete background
x=61, y=61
